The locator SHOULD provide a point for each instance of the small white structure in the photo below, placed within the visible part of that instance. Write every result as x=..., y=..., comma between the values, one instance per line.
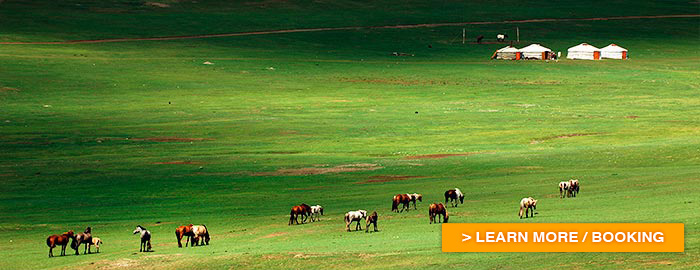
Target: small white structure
x=613, y=51
x=583, y=51
x=536, y=51
x=507, y=53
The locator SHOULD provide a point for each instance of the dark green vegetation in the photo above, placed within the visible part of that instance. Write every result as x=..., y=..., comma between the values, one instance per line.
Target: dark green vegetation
x=235, y=144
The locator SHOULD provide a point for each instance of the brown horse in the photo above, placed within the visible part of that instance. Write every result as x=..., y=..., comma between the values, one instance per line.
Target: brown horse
x=183, y=231
x=573, y=187
x=59, y=240
x=297, y=211
x=307, y=212
x=435, y=210
x=452, y=195
x=82, y=238
x=372, y=219
x=403, y=199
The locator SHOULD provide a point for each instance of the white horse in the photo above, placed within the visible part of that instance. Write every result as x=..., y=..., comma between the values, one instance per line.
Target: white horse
x=200, y=231
x=527, y=204
x=501, y=37
x=316, y=211
x=459, y=193
x=353, y=216
x=563, y=189
x=145, y=238
x=414, y=197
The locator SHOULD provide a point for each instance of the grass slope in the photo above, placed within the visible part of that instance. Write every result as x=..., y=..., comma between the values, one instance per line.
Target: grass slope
x=218, y=144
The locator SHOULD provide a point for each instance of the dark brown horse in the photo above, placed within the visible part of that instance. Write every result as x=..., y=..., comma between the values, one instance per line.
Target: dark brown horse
x=434, y=212
x=183, y=231
x=82, y=238
x=372, y=219
x=453, y=195
x=307, y=212
x=404, y=200
x=59, y=240
x=297, y=211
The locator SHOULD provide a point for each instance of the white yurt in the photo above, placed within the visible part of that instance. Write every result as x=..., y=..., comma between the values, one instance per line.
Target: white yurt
x=583, y=51
x=536, y=51
x=507, y=53
x=613, y=51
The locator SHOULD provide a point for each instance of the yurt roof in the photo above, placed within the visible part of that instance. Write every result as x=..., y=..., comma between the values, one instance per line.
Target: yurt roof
x=613, y=48
x=583, y=47
x=535, y=48
x=508, y=49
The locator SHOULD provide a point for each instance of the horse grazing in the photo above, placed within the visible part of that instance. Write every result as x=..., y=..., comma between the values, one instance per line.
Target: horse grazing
x=414, y=197
x=501, y=37
x=59, y=240
x=479, y=38
x=96, y=242
x=200, y=232
x=563, y=189
x=307, y=211
x=452, y=195
x=297, y=211
x=353, y=216
x=183, y=231
x=404, y=200
x=82, y=238
x=145, y=238
x=435, y=210
x=316, y=211
x=573, y=187
x=372, y=219
x=529, y=204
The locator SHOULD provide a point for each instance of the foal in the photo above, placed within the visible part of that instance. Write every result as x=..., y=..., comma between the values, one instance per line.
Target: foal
x=372, y=219
x=527, y=204
x=59, y=240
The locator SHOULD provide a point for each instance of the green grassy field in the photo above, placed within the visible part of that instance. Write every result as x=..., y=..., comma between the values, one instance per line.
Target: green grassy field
x=114, y=135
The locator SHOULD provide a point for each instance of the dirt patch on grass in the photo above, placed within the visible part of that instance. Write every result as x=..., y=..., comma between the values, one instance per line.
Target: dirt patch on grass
x=156, y=4
x=564, y=136
x=657, y=262
x=545, y=82
x=441, y=155
x=155, y=139
x=274, y=235
x=631, y=117
x=179, y=162
x=7, y=89
x=317, y=170
x=388, y=178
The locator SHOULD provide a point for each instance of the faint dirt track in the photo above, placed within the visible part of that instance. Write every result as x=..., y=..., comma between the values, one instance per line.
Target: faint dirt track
x=301, y=30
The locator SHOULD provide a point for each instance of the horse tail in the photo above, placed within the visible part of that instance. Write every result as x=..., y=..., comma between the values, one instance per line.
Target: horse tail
x=394, y=205
x=347, y=218
x=48, y=241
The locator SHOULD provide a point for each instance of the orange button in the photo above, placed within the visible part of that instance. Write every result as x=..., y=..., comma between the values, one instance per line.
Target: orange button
x=562, y=237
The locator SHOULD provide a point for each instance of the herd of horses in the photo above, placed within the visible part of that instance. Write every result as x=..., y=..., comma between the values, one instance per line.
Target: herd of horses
x=196, y=235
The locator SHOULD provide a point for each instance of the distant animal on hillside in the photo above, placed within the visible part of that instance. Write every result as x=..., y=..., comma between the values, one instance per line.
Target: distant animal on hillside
x=372, y=219
x=414, y=197
x=184, y=231
x=200, y=233
x=527, y=204
x=145, y=238
x=434, y=212
x=294, y=214
x=453, y=195
x=573, y=187
x=59, y=240
x=563, y=189
x=96, y=242
x=479, y=38
x=82, y=238
x=316, y=212
x=501, y=37
x=401, y=199
x=355, y=216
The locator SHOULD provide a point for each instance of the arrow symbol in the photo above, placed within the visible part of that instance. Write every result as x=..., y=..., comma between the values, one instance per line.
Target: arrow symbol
x=466, y=237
